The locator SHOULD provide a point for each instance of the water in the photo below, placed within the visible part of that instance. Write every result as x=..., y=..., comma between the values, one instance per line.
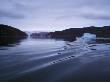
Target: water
x=50, y=60
x=22, y=55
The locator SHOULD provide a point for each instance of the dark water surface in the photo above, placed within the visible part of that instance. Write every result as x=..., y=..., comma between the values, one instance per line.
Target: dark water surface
x=50, y=60
x=22, y=55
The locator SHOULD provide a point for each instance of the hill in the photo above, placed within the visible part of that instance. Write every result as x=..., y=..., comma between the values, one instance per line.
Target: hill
x=72, y=33
x=9, y=31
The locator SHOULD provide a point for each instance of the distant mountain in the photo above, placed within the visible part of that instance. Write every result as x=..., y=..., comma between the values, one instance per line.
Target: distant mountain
x=72, y=33
x=9, y=31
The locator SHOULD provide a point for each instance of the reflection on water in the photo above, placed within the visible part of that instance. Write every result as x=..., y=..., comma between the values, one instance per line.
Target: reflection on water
x=9, y=41
x=25, y=54
x=63, y=39
x=30, y=54
x=103, y=40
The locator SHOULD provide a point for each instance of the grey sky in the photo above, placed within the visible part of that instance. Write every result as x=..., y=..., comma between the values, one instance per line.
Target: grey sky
x=51, y=15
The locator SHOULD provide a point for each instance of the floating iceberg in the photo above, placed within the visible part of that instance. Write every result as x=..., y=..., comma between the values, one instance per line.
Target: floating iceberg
x=83, y=42
x=88, y=37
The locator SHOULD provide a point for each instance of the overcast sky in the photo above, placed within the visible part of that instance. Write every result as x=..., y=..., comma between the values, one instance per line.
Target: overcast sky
x=51, y=15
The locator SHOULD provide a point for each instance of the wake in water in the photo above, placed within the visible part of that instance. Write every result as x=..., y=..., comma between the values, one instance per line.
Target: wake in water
x=77, y=48
x=86, y=43
x=66, y=64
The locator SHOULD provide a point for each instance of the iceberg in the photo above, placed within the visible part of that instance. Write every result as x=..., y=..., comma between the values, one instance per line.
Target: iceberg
x=88, y=37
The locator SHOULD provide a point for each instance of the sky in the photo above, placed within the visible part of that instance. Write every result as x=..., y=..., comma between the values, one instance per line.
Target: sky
x=53, y=15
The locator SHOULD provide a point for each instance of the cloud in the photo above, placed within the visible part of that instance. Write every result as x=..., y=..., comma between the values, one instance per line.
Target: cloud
x=86, y=12
x=96, y=16
x=92, y=13
x=58, y=14
x=8, y=11
x=11, y=15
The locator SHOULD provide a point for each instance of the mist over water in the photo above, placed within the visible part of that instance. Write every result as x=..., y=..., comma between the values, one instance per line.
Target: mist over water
x=49, y=60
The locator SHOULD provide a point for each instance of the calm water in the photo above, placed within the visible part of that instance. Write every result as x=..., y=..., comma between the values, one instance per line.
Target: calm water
x=50, y=60
x=20, y=56
x=32, y=46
